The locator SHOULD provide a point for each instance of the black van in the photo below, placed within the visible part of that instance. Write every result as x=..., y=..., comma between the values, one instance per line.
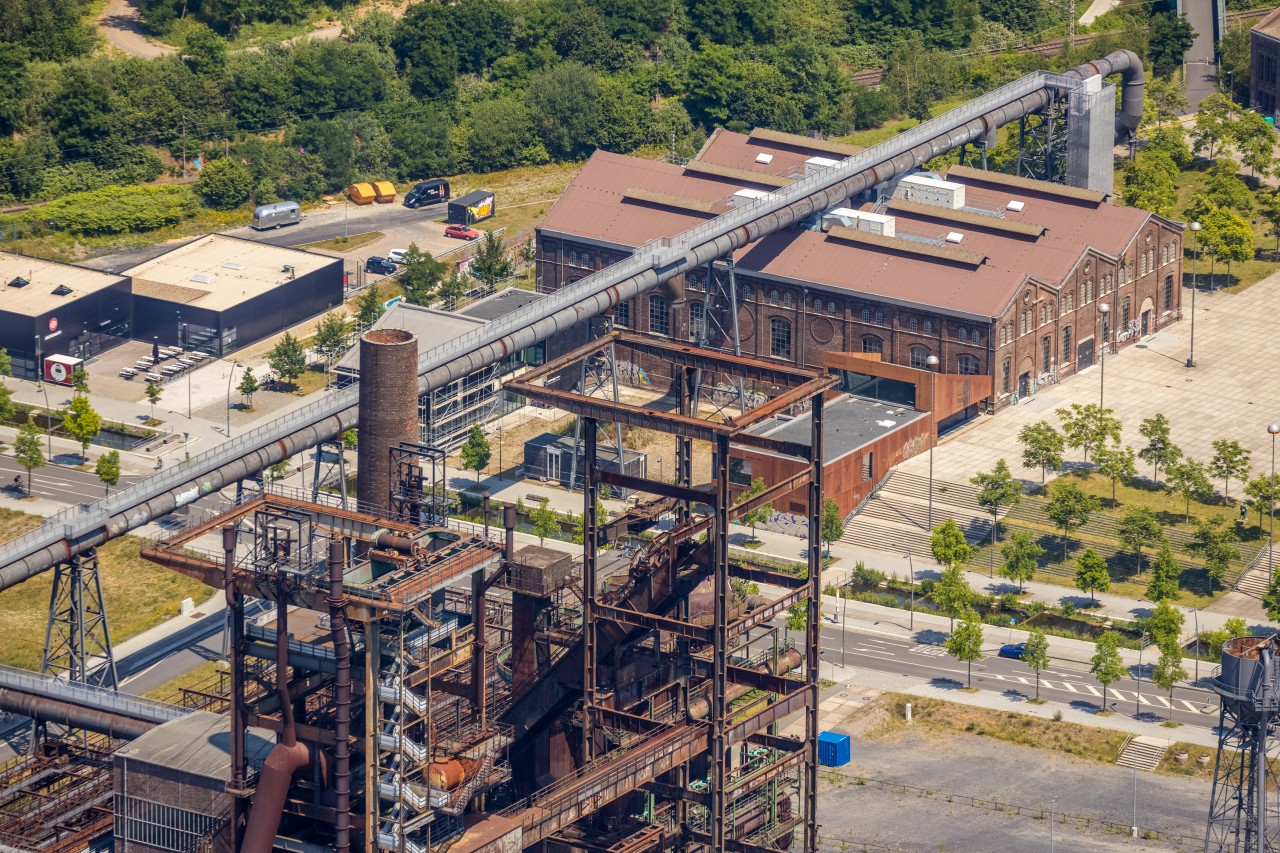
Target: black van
x=427, y=192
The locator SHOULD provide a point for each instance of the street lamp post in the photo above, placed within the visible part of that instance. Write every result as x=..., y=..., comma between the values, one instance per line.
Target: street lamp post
x=1137, y=702
x=1271, y=501
x=44, y=389
x=1104, y=309
x=1195, y=614
x=932, y=362
x=230, y=373
x=1195, y=256
x=1053, y=802
x=1134, y=828
x=912, y=574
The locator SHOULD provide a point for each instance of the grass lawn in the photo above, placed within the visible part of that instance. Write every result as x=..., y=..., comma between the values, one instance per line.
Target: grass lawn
x=524, y=195
x=876, y=135
x=171, y=691
x=346, y=244
x=139, y=595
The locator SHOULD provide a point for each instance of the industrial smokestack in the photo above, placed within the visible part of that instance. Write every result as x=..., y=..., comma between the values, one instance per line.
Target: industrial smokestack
x=388, y=411
x=509, y=525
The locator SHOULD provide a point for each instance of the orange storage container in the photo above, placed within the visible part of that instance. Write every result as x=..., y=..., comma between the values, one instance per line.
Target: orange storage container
x=384, y=191
x=361, y=193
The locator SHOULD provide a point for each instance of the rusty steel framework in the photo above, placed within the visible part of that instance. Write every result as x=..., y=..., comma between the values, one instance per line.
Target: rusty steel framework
x=668, y=650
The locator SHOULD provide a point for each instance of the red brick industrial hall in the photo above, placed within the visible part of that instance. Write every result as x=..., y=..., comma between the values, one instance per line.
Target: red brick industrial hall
x=998, y=277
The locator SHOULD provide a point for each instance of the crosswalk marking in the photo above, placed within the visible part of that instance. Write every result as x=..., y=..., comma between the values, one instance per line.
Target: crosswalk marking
x=1070, y=687
x=1163, y=701
x=929, y=651
x=1091, y=689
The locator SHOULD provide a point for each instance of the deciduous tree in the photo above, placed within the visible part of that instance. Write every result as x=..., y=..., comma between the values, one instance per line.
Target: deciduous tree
x=996, y=489
x=1042, y=447
x=1021, y=557
x=1165, y=623
x=546, y=524
x=476, y=452
x=965, y=642
x=225, y=183
x=1165, y=573
x=492, y=262
x=760, y=514
x=1091, y=574
x=287, y=358
x=1069, y=509
x=154, y=391
x=1036, y=655
x=952, y=593
x=1088, y=425
x=1169, y=670
x=108, y=469
x=333, y=337
x=1262, y=492
x=1216, y=543
x=248, y=386
x=1138, y=528
x=832, y=522
x=1160, y=451
x=1190, y=479
x=1213, y=121
x=1106, y=665
x=27, y=449
x=1171, y=36
x=420, y=276
x=82, y=423
x=1117, y=465
x=1230, y=462
x=369, y=307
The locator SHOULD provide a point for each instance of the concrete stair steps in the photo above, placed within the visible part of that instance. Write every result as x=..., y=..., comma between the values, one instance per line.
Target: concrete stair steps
x=1142, y=752
x=955, y=494
x=1255, y=581
x=886, y=536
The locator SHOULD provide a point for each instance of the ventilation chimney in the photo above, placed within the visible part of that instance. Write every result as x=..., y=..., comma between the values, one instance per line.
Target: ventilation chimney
x=388, y=411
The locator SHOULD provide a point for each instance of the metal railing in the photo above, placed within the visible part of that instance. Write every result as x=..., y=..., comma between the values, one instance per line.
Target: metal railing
x=124, y=704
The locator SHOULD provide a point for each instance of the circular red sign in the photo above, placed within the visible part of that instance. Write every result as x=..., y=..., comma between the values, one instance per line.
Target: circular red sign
x=53, y=324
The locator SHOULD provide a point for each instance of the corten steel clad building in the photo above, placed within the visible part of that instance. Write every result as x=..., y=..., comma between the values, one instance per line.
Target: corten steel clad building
x=218, y=293
x=71, y=310
x=995, y=275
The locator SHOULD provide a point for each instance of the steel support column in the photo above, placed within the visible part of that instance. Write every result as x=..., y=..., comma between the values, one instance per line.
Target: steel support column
x=77, y=643
x=720, y=646
x=590, y=588
x=813, y=629
x=237, y=786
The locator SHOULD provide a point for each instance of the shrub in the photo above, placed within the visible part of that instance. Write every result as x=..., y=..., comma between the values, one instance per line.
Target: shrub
x=119, y=210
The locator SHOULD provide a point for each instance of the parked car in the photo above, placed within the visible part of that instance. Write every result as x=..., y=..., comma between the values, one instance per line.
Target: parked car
x=1016, y=651
x=461, y=232
x=396, y=256
x=379, y=266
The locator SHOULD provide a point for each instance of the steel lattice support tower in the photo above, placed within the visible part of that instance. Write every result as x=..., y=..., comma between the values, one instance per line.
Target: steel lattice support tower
x=1244, y=810
x=77, y=644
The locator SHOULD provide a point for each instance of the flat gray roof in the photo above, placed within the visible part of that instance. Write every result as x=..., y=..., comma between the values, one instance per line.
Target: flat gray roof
x=501, y=304
x=219, y=272
x=199, y=744
x=848, y=423
x=430, y=326
x=43, y=277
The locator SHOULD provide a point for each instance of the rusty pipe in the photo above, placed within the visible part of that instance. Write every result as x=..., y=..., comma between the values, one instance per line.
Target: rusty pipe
x=48, y=710
x=286, y=758
x=699, y=708
x=341, y=698
x=387, y=541
x=235, y=661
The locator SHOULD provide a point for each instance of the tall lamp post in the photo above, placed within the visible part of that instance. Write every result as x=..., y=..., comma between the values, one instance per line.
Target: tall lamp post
x=230, y=374
x=932, y=362
x=1137, y=702
x=1104, y=309
x=1195, y=256
x=911, y=569
x=42, y=388
x=1271, y=499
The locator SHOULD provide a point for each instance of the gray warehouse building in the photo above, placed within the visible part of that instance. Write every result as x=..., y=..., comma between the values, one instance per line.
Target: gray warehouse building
x=218, y=293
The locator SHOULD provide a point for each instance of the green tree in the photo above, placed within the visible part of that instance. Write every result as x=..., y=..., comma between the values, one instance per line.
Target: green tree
x=1169, y=670
x=1190, y=479
x=1149, y=185
x=7, y=407
x=1269, y=209
x=996, y=489
x=108, y=469
x=1165, y=573
x=333, y=337
x=760, y=514
x=248, y=386
x=797, y=617
x=225, y=184
x=451, y=290
x=1262, y=492
x=492, y=262
x=1230, y=461
x=27, y=449
x=369, y=307
x=476, y=452
x=278, y=471
x=80, y=380
x=1042, y=447
x=1163, y=102
x=1069, y=509
x=1138, y=528
x=350, y=439
x=546, y=524
x=1223, y=187
x=206, y=52
x=952, y=593
x=153, y=396
x=1170, y=38
x=1214, y=116
x=1255, y=139
x=82, y=423
x=502, y=136
x=1117, y=465
x=1225, y=236
x=1021, y=557
x=1165, y=623
x=1088, y=425
x=1091, y=574
x=832, y=523
x=1171, y=141
x=6, y=365
x=948, y=545
x=1270, y=598
x=1233, y=67
x=1215, y=640
x=1106, y=665
x=1160, y=451
x=1036, y=655
x=1217, y=545
x=420, y=276
x=965, y=643
x=564, y=103
x=287, y=358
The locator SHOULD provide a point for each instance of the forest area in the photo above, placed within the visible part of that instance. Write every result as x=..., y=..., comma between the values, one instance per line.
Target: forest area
x=472, y=85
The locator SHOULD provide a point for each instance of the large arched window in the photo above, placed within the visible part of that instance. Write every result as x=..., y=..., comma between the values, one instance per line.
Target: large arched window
x=913, y=325
x=928, y=327
x=786, y=299
x=963, y=334
x=879, y=318
x=871, y=343
x=748, y=293
x=968, y=365
x=920, y=357
x=697, y=320
x=659, y=315
x=866, y=315
x=780, y=338
x=773, y=297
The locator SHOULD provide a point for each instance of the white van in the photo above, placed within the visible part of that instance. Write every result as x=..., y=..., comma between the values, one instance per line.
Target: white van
x=268, y=216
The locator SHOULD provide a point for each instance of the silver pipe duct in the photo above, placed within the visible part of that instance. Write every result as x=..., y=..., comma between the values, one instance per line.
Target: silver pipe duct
x=594, y=296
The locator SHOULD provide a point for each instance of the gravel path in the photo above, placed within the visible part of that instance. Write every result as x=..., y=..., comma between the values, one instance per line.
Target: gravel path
x=121, y=24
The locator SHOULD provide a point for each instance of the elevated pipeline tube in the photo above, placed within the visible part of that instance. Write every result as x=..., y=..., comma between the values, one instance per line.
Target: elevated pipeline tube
x=47, y=710
x=286, y=758
x=601, y=292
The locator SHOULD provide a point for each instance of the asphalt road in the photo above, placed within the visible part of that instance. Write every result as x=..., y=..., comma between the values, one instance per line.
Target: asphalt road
x=55, y=482
x=1013, y=679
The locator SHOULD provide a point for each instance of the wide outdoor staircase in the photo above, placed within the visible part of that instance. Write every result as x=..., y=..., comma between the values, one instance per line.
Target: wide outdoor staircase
x=1257, y=578
x=1142, y=752
x=896, y=517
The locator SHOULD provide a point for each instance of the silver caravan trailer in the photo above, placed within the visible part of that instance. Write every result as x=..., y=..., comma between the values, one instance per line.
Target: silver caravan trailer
x=274, y=215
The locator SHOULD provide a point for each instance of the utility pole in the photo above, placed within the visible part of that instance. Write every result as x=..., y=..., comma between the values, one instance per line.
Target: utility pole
x=1071, y=23
x=184, y=145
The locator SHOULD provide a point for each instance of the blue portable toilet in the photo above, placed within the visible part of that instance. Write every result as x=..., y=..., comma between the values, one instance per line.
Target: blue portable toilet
x=833, y=749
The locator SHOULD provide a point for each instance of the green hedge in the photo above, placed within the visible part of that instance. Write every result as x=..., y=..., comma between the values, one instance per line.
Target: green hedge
x=118, y=210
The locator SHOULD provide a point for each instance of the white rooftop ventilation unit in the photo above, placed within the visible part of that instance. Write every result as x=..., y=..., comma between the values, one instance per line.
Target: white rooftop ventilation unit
x=954, y=237
x=745, y=196
x=931, y=191
x=764, y=159
x=1015, y=206
x=860, y=220
x=818, y=165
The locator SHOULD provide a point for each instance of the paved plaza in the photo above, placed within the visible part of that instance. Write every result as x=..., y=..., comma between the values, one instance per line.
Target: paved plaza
x=1233, y=391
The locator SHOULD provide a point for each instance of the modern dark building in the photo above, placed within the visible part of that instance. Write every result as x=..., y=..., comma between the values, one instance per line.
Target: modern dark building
x=218, y=294
x=59, y=309
x=549, y=457
x=1264, y=56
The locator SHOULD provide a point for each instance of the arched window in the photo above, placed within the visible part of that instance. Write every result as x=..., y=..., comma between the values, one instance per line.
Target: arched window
x=1071, y=301
x=659, y=315
x=1004, y=334
x=1053, y=309
x=817, y=304
x=968, y=365
x=697, y=320
x=928, y=327
x=585, y=259
x=1006, y=367
x=773, y=297
x=870, y=343
x=976, y=339
x=1164, y=254
x=831, y=308
x=866, y=315
x=963, y=334
x=879, y=318
x=622, y=315
x=1022, y=323
x=1044, y=314
x=573, y=257
x=920, y=357
x=780, y=338
x=1125, y=309
x=1046, y=352
x=1066, y=344
x=748, y=293
x=914, y=325
x=786, y=299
